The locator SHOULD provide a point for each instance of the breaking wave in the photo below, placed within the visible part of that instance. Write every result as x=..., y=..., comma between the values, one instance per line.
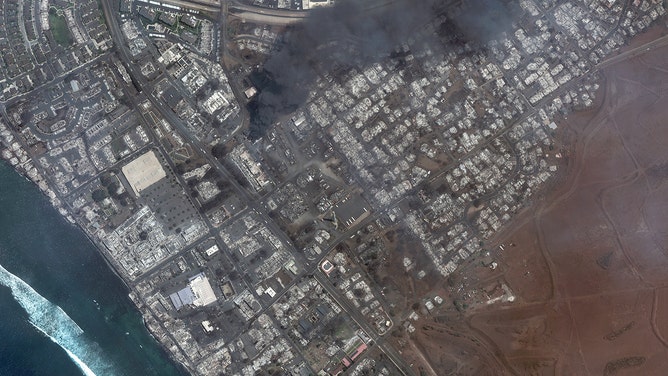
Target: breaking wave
x=82, y=366
x=53, y=322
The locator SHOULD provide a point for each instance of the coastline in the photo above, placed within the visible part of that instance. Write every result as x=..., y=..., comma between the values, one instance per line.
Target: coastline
x=15, y=155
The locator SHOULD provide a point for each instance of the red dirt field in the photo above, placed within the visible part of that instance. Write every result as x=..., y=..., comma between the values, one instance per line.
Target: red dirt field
x=588, y=264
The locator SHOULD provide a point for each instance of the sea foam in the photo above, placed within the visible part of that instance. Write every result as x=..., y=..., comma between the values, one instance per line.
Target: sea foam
x=53, y=322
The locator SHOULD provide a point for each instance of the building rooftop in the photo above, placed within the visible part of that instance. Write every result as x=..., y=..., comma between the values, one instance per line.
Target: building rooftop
x=198, y=293
x=204, y=294
x=182, y=297
x=143, y=172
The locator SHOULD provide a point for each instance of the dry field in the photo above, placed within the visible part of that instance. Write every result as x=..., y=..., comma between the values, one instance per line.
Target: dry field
x=588, y=263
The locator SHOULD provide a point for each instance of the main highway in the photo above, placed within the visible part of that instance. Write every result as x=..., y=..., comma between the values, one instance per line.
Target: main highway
x=634, y=52
x=251, y=198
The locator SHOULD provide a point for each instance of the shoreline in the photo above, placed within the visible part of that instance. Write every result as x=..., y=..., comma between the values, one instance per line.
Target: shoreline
x=15, y=155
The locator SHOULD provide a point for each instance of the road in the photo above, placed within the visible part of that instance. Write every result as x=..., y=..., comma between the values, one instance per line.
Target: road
x=265, y=18
x=641, y=50
x=260, y=15
x=272, y=16
x=201, y=5
x=283, y=13
x=147, y=90
x=251, y=199
x=363, y=324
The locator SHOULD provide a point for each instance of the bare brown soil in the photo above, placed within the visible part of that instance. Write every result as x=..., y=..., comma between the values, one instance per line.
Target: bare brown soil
x=588, y=264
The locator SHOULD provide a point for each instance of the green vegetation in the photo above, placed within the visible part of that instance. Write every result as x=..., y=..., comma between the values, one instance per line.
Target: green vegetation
x=99, y=195
x=107, y=179
x=58, y=25
x=219, y=151
x=343, y=331
x=350, y=349
x=118, y=146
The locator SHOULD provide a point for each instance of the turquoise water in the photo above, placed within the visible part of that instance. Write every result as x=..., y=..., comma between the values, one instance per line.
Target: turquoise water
x=63, y=310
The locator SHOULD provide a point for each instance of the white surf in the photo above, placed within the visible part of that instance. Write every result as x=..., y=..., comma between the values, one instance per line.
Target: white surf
x=82, y=366
x=53, y=322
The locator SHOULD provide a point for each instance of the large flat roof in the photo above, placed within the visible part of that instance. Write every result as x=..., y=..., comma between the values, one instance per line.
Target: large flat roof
x=182, y=297
x=202, y=290
x=143, y=172
x=198, y=293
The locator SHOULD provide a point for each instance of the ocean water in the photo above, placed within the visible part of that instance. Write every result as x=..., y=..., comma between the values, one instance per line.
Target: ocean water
x=62, y=310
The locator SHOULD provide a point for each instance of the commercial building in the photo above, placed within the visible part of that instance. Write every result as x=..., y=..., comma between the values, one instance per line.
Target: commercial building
x=143, y=172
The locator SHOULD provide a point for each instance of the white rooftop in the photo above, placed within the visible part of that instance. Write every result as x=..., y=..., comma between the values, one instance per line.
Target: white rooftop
x=143, y=172
x=202, y=290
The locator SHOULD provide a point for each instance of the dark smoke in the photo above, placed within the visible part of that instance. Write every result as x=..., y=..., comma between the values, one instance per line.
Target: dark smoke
x=353, y=33
x=481, y=21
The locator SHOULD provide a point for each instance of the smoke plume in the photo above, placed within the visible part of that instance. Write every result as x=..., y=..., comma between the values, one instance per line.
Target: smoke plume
x=356, y=33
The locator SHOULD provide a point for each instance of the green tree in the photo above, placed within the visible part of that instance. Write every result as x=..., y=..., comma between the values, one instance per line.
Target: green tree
x=99, y=195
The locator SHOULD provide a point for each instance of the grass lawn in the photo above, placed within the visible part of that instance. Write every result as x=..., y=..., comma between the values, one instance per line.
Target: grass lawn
x=58, y=25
